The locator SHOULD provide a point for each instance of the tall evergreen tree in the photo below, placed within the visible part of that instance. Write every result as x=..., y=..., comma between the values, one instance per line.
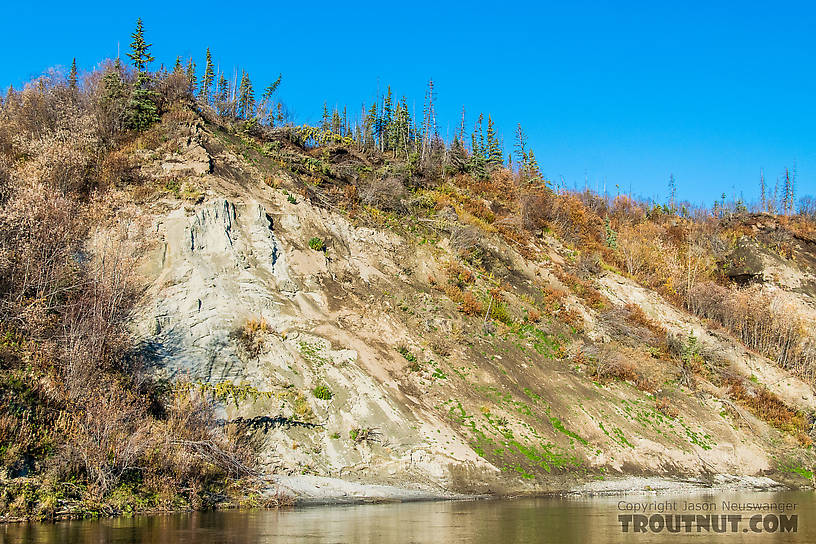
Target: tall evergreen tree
x=139, y=48
x=72, y=76
x=266, y=110
x=270, y=90
x=324, y=120
x=386, y=140
x=246, y=98
x=209, y=78
x=191, y=76
x=336, y=122
x=222, y=99
x=533, y=169
x=370, y=127
x=520, y=148
x=141, y=111
x=495, y=155
x=178, y=67
x=672, y=193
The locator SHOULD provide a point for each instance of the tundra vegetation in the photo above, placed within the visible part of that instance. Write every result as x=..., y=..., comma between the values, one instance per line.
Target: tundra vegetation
x=84, y=428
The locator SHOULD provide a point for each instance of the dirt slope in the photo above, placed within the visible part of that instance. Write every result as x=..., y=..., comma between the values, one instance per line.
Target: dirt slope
x=415, y=393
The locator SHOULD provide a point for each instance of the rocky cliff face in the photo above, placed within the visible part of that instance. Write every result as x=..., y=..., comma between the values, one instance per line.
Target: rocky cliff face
x=350, y=363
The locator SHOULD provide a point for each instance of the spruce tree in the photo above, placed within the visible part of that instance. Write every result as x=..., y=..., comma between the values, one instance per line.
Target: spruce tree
x=266, y=111
x=223, y=97
x=246, y=98
x=335, y=122
x=324, y=121
x=495, y=155
x=208, y=79
x=178, y=67
x=114, y=100
x=386, y=142
x=533, y=170
x=141, y=111
x=520, y=148
x=191, y=76
x=139, y=48
x=72, y=76
x=370, y=127
x=672, y=193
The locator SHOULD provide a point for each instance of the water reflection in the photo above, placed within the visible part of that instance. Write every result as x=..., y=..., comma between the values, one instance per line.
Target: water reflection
x=586, y=520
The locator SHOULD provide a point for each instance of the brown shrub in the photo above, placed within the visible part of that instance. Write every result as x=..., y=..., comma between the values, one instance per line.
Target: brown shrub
x=533, y=315
x=453, y=292
x=471, y=305
x=665, y=407
x=458, y=274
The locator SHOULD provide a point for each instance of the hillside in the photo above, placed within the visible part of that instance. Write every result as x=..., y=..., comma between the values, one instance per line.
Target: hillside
x=213, y=311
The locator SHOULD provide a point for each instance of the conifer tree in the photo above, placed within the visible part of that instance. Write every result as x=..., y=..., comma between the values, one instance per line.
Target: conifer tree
x=141, y=111
x=477, y=138
x=457, y=158
x=402, y=128
x=533, y=170
x=335, y=122
x=386, y=129
x=191, y=76
x=495, y=155
x=209, y=78
x=266, y=110
x=520, y=147
x=324, y=120
x=178, y=67
x=672, y=194
x=139, y=48
x=114, y=99
x=270, y=90
x=222, y=99
x=478, y=160
x=72, y=76
x=246, y=98
x=370, y=127
x=428, y=119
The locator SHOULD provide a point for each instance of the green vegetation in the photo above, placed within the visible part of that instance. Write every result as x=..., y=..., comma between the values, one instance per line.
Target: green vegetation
x=322, y=392
x=317, y=244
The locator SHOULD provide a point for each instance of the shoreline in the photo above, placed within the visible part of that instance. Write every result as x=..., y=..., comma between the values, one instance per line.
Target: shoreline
x=314, y=491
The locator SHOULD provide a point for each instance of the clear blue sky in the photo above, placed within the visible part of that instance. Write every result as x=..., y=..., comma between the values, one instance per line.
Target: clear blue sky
x=621, y=95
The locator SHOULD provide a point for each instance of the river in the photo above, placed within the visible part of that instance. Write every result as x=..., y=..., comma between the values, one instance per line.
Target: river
x=550, y=520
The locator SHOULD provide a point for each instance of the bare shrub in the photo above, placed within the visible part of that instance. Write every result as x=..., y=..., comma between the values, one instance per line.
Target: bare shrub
x=251, y=336
x=765, y=322
x=383, y=193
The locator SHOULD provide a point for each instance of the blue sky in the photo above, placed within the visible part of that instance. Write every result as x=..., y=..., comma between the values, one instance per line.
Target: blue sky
x=614, y=94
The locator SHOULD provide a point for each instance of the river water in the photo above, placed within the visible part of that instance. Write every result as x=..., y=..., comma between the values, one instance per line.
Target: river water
x=550, y=520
